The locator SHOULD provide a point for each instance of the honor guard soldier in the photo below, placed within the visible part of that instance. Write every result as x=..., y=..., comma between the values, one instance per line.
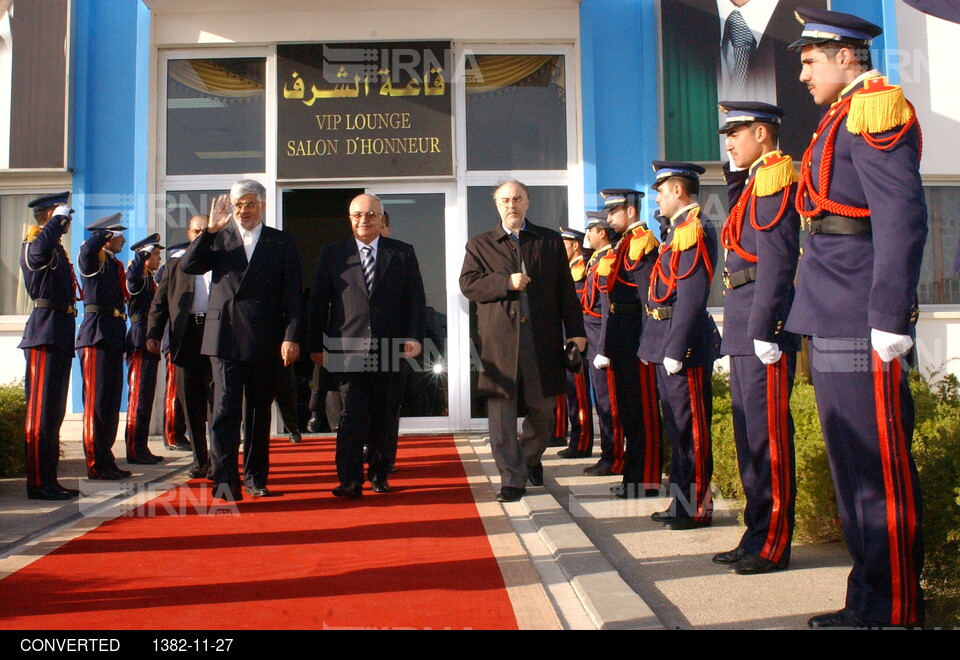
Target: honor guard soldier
x=601, y=237
x=47, y=342
x=762, y=239
x=626, y=293
x=681, y=339
x=141, y=364
x=861, y=190
x=575, y=405
x=101, y=342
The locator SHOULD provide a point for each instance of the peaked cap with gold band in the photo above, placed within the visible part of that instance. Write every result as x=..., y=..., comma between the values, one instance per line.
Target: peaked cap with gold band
x=740, y=113
x=616, y=197
x=688, y=233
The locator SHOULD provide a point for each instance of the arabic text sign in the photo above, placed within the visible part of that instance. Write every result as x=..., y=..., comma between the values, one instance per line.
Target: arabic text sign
x=364, y=110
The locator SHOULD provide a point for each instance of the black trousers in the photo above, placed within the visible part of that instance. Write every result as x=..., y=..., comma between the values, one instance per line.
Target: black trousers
x=371, y=401
x=102, y=395
x=46, y=383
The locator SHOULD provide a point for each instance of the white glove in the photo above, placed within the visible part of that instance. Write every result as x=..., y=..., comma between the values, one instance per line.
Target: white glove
x=768, y=352
x=63, y=209
x=672, y=366
x=888, y=345
x=601, y=361
x=645, y=363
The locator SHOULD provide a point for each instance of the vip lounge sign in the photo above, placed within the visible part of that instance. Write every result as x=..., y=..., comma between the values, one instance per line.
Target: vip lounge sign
x=364, y=110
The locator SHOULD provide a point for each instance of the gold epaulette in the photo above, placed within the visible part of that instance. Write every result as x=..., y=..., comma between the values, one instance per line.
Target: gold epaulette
x=578, y=271
x=32, y=232
x=103, y=256
x=773, y=175
x=878, y=107
x=688, y=233
x=606, y=264
x=642, y=243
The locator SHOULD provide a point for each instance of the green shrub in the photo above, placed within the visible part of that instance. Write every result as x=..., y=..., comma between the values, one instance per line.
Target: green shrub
x=13, y=417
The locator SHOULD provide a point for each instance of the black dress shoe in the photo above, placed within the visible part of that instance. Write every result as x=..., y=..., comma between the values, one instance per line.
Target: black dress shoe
x=353, y=490
x=633, y=491
x=106, y=474
x=153, y=457
x=842, y=619
x=227, y=492
x=201, y=472
x=180, y=446
x=140, y=461
x=754, y=565
x=72, y=492
x=680, y=524
x=380, y=486
x=729, y=557
x=535, y=474
x=510, y=494
x=124, y=474
x=49, y=493
x=573, y=453
x=598, y=470
x=663, y=516
x=313, y=424
x=295, y=437
x=258, y=491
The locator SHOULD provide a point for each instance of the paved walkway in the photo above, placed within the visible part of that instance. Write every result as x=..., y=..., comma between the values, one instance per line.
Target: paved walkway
x=573, y=556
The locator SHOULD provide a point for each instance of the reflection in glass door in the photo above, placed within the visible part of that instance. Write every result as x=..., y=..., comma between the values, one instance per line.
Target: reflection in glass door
x=418, y=219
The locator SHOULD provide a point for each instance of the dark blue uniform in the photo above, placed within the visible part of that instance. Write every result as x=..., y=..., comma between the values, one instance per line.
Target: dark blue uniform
x=574, y=407
x=762, y=238
x=639, y=412
x=101, y=342
x=859, y=271
x=48, y=346
x=142, y=365
x=679, y=327
x=593, y=302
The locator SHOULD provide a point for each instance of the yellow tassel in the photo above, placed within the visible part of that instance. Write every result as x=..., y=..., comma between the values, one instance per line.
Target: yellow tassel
x=642, y=243
x=103, y=256
x=32, y=232
x=775, y=174
x=688, y=234
x=578, y=271
x=878, y=107
x=606, y=265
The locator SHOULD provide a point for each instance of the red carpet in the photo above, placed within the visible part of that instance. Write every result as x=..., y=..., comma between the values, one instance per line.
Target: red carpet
x=414, y=558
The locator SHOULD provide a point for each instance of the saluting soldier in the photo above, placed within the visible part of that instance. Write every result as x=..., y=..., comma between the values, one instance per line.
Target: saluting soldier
x=47, y=342
x=626, y=293
x=762, y=239
x=101, y=342
x=575, y=406
x=681, y=339
x=142, y=365
x=856, y=298
x=600, y=238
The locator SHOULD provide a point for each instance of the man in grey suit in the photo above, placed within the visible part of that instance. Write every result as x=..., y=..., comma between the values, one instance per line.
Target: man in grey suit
x=252, y=320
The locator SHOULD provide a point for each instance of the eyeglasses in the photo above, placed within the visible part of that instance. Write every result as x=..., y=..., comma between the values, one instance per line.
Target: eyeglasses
x=503, y=201
x=360, y=215
x=245, y=206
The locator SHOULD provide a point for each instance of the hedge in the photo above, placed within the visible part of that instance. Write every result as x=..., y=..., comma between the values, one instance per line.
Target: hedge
x=13, y=417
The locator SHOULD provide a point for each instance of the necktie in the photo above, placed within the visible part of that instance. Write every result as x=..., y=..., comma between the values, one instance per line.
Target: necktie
x=368, y=266
x=741, y=38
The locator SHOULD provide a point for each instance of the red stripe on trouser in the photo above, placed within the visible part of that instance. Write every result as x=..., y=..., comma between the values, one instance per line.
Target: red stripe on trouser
x=700, y=440
x=560, y=418
x=583, y=399
x=651, y=423
x=778, y=433
x=89, y=403
x=618, y=462
x=170, y=406
x=37, y=366
x=134, y=376
x=898, y=490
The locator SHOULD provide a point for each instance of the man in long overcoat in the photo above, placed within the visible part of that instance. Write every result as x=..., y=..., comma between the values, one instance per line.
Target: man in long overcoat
x=518, y=275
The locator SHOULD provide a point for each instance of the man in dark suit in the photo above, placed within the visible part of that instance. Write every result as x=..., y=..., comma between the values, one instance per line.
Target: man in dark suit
x=253, y=316
x=181, y=300
x=518, y=275
x=367, y=315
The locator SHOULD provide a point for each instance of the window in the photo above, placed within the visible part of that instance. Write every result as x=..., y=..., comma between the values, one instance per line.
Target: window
x=939, y=283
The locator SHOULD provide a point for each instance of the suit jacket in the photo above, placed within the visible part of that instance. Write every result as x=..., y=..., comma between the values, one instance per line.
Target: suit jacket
x=347, y=320
x=555, y=311
x=691, y=33
x=254, y=306
x=171, y=308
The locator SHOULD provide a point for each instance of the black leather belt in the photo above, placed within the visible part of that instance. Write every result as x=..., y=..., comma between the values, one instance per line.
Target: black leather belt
x=741, y=277
x=660, y=313
x=625, y=309
x=198, y=318
x=840, y=224
x=104, y=309
x=46, y=303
